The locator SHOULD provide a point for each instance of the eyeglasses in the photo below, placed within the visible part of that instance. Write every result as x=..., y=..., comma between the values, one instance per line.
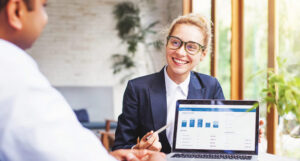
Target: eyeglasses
x=190, y=47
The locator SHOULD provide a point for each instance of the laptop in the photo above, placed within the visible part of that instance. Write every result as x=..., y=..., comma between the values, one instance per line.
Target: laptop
x=210, y=130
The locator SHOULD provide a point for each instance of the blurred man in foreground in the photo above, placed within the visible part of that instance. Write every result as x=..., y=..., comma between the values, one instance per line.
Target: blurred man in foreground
x=36, y=123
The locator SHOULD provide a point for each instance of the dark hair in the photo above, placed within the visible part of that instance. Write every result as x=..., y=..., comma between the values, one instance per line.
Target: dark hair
x=28, y=3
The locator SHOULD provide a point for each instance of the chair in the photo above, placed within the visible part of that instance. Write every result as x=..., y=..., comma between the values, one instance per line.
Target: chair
x=107, y=137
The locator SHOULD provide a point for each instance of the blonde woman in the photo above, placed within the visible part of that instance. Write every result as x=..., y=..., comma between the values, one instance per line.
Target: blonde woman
x=149, y=101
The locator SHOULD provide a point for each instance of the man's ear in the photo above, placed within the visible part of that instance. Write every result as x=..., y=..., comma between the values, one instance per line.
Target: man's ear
x=14, y=13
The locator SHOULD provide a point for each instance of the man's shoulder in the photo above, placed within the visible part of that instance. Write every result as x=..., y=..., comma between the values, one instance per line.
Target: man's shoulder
x=9, y=48
x=18, y=68
x=11, y=55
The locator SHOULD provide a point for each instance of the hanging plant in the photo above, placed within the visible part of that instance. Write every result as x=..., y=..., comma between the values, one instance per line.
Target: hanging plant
x=132, y=33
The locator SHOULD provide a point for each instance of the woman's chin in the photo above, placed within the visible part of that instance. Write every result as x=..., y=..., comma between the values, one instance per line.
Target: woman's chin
x=180, y=71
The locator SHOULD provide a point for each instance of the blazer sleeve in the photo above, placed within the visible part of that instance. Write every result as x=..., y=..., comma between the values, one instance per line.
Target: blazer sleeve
x=218, y=94
x=127, y=128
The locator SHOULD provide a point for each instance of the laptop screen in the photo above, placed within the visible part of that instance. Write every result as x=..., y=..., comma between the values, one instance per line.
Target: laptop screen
x=216, y=125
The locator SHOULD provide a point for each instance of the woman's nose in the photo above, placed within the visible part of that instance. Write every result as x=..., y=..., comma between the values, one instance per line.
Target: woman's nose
x=181, y=51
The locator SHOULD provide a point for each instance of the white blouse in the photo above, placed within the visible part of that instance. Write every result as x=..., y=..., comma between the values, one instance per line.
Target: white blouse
x=174, y=92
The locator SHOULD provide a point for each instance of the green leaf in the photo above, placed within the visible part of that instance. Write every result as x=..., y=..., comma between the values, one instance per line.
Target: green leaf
x=283, y=90
x=125, y=8
x=253, y=107
x=132, y=33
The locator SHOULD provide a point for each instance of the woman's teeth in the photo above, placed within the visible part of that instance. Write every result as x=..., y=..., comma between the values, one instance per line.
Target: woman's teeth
x=180, y=61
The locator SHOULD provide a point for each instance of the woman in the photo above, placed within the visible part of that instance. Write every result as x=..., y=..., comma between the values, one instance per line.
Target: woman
x=149, y=101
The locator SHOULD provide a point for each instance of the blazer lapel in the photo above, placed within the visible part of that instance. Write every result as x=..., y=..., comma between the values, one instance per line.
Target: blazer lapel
x=157, y=94
x=196, y=91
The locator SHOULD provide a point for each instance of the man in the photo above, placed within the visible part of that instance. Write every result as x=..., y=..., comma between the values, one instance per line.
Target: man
x=36, y=123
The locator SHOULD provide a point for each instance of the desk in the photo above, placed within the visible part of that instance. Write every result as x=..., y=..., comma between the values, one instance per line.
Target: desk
x=270, y=157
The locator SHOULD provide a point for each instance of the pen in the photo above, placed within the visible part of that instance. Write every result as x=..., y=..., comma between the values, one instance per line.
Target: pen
x=160, y=130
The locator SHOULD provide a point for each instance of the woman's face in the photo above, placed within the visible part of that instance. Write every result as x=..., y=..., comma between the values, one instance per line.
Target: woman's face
x=180, y=62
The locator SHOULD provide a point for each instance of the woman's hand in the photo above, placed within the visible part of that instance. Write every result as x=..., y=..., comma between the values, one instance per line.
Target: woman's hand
x=149, y=141
x=138, y=155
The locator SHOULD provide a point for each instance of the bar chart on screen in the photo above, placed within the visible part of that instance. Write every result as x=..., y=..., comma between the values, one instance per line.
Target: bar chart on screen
x=213, y=124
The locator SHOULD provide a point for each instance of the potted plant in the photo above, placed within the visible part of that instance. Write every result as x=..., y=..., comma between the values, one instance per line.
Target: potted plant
x=283, y=91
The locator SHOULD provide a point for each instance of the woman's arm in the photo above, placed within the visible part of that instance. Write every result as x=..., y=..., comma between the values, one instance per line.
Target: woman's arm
x=128, y=121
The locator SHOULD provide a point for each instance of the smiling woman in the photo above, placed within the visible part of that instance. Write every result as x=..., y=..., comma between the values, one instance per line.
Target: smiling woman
x=149, y=102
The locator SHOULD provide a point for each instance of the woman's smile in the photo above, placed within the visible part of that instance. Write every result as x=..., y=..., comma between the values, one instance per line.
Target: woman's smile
x=179, y=61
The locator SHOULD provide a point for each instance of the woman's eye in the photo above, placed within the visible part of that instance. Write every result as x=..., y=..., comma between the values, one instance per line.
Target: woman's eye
x=176, y=43
x=191, y=47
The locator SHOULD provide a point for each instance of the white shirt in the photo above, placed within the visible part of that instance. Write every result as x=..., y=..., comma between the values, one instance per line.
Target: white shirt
x=174, y=92
x=36, y=123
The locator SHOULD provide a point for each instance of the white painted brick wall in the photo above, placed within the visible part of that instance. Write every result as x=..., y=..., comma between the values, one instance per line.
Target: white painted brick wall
x=76, y=45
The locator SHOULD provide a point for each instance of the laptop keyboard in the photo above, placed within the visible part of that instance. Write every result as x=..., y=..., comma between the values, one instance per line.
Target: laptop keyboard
x=213, y=156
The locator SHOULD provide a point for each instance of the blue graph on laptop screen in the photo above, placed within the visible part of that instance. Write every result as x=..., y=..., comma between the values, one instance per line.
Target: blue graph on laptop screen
x=216, y=127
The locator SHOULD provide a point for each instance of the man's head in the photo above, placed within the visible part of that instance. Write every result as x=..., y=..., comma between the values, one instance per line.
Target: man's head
x=22, y=21
x=28, y=3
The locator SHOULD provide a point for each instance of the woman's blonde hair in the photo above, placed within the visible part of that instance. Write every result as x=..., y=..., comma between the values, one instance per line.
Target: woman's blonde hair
x=197, y=20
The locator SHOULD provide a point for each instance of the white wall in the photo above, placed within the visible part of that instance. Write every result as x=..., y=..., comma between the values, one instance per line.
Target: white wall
x=76, y=45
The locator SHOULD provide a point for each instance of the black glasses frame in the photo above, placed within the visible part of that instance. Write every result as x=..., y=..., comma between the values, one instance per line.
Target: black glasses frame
x=182, y=42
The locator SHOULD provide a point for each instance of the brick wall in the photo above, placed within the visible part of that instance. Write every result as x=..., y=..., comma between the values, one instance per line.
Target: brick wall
x=76, y=45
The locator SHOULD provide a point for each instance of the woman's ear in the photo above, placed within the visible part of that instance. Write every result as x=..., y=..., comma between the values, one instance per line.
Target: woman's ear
x=203, y=55
x=14, y=12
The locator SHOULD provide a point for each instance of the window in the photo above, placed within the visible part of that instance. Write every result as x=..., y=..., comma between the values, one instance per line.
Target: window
x=289, y=49
x=256, y=53
x=224, y=29
x=203, y=7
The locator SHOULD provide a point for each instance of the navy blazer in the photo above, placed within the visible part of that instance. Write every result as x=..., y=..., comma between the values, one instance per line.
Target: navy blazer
x=145, y=106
